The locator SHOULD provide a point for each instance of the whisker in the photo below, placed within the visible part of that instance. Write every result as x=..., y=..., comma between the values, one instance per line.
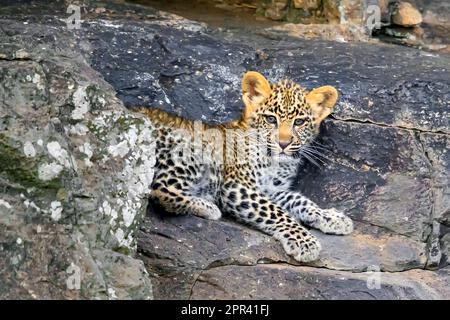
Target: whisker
x=314, y=157
x=317, y=152
x=319, y=145
x=324, y=157
x=309, y=149
x=310, y=159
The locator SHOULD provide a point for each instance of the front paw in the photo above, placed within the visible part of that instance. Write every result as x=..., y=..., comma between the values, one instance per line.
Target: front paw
x=333, y=221
x=206, y=209
x=305, y=249
x=212, y=213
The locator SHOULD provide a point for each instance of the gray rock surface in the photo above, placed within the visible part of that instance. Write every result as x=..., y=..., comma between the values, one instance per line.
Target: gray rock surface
x=286, y=282
x=387, y=164
x=189, y=257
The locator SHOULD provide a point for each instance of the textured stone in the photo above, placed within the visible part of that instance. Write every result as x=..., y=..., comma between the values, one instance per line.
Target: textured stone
x=287, y=282
x=175, y=254
x=406, y=15
x=276, y=10
x=331, y=32
x=445, y=248
x=386, y=166
x=306, y=4
x=344, y=11
x=70, y=202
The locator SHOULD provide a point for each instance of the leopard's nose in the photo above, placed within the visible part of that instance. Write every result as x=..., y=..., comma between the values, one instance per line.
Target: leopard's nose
x=284, y=144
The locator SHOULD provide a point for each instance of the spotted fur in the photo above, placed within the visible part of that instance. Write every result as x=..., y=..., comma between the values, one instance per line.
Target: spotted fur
x=245, y=181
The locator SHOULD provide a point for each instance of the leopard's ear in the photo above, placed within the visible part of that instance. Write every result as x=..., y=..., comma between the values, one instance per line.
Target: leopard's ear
x=255, y=90
x=322, y=100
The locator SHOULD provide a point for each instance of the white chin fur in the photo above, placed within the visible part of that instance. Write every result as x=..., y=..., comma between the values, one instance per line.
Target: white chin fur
x=282, y=157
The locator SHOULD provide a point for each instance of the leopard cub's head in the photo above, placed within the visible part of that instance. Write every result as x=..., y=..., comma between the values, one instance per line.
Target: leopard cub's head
x=288, y=115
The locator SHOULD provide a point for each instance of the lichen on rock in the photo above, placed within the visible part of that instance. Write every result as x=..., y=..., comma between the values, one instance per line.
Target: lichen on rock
x=58, y=172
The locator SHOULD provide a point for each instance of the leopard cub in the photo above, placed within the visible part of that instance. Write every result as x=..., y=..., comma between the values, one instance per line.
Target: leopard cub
x=251, y=179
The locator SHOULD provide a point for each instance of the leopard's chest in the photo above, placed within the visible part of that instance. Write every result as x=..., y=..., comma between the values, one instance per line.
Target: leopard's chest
x=278, y=176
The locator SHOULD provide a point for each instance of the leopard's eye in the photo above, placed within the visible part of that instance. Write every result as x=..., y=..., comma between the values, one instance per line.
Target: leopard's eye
x=298, y=122
x=271, y=119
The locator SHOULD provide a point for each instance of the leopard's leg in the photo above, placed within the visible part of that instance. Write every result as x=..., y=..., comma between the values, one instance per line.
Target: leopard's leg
x=173, y=189
x=177, y=201
x=250, y=205
x=329, y=221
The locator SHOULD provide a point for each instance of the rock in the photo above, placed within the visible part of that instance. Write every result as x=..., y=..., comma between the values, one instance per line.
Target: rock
x=406, y=15
x=100, y=10
x=412, y=37
x=306, y=4
x=437, y=148
x=431, y=35
x=339, y=33
x=344, y=11
x=435, y=256
x=386, y=166
x=445, y=248
x=294, y=283
x=75, y=170
x=127, y=277
x=184, y=265
x=276, y=10
x=445, y=218
x=384, y=9
x=436, y=14
x=361, y=252
x=412, y=34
